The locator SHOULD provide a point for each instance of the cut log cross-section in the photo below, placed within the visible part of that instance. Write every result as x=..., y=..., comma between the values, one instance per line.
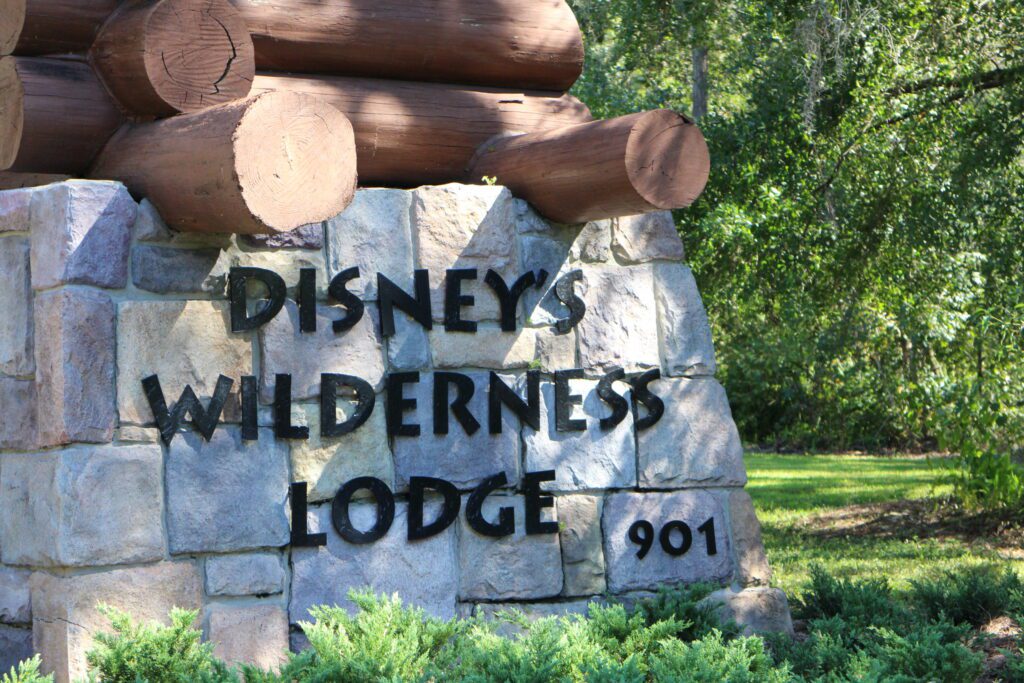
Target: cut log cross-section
x=12, y=20
x=506, y=43
x=410, y=134
x=160, y=57
x=624, y=166
x=268, y=164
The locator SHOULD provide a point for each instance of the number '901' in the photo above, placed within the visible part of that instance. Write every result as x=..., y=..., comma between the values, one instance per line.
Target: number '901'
x=676, y=537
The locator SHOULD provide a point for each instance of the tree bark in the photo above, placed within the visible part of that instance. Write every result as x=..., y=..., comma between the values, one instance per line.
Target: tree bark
x=514, y=43
x=161, y=57
x=268, y=164
x=54, y=27
x=410, y=134
x=700, y=83
x=624, y=166
x=12, y=19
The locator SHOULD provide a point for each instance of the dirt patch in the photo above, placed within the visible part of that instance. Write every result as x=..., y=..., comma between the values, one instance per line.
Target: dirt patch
x=996, y=637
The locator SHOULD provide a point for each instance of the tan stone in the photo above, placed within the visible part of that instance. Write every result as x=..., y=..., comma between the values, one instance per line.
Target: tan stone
x=579, y=520
x=647, y=237
x=14, y=209
x=746, y=537
x=255, y=634
x=65, y=614
x=757, y=610
x=185, y=343
x=620, y=327
x=490, y=347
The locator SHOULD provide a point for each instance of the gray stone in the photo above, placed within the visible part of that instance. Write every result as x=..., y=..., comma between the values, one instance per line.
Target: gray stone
x=75, y=369
x=149, y=226
x=464, y=460
x=409, y=348
x=15, y=208
x=422, y=573
x=80, y=234
x=297, y=641
x=306, y=237
x=60, y=508
x=374, y=235
x=465, y=226
x=15, y=603
x=490, y=347
x=226, y=494
x=758, y=610
x=306, y=355
x=620, y=327
x=18, y=426
x=591, y=459
x=540, y=305
x=65, y=610
x=579, y=520
x=686, y=346
x=169, y=270
x=746, y=537
x=326, y=463
x=16, y=304
x=185, y=343
x=15, y=646
x=249, y=634
x=695, y=443
x=527, y=220
x=516, y=567
x=647, y=237
x=251, y=574
x=628, y=572
x=288, y=263
x=593, y=242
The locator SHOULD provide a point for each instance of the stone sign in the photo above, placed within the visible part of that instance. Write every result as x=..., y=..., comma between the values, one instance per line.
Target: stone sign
x=436, y=394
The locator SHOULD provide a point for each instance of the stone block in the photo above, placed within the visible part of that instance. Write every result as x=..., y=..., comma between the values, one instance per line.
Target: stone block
x=527, y=220
x=325, y=464
x=464, y=460
x=80, y=234
x=620, y=327
x=465, y=226
x=306, y=355
x=544, y=252
x=647, y=237
x=65, y=614
x=373, y=234
x=516, y=567
x=185, y=343
x=758, y=610
x=18, y=426
x=250, y=574
x=746, y=537
x=297, y=641
x=59, y=508
x=305, y=237
x=409, y=347
x=579, y=518
x=15, y=605
x=16, y=303
x=226, y=494
x=288, y=263
x=15, y=206
x=684, y=331
x=149, y=226
x=422, y=573
x=251, y=634
x=75, y=369
x=626, y=571
x=15, y=646
x=592, y=243
x=695, y=443
x=170, y=270
x=590, y=459
x=490, y=347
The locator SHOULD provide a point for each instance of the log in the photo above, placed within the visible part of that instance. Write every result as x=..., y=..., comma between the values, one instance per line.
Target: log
x=54, y=27
x=161, y=57
x=56, y=115
x=533, y=44
x=629, y=165
x=268, y=164
x=12, y=19
x=411, y=134
x=14, y=181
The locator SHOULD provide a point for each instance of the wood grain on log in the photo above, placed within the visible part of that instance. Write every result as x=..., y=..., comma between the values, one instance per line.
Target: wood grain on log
x=271, y=163
x=410, y=134
x=603, y=169
x=66, y=115
x=512, y=43
x=161, y=57
x=12, y=18
x=54, y=27
x=13, y=181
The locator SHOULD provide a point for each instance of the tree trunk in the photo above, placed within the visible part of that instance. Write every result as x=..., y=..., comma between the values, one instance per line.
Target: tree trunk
x=700, y=83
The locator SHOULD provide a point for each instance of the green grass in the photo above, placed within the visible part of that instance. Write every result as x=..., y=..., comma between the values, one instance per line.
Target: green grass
x=788, y=489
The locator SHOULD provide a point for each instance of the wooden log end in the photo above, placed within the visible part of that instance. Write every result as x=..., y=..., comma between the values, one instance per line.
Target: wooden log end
x=667, y=159
x=12, y=112
x=295, y=159
x=161, y=57
x=12, y=20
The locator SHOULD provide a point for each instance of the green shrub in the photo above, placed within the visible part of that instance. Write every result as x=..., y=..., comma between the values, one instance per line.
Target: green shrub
x=974, y=595
x=26, y=672
x=863, y=603
x=682, y=603
x=713, y=659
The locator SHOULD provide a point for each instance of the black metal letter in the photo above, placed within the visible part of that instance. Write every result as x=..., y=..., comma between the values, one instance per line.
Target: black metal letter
x=606, y=392
x=508, y=299
x=643, y=396
x=455, y=300
x=564, y=292
x=339, y=292
x=250, y=409
x=464, y=390
x=301, y=538
x=506, y=525
x=365, y=400
x=283, y=427
x=391, y=296
x=535, y=503
x=449, y=512
x=500, y=393
x=385, y=511
x=238, y=279
x=204, y=420
x=565, y=400
x=307, y=299
x=396, y=404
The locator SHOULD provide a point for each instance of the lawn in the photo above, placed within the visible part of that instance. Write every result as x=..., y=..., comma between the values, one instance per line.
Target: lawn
x=844, y=512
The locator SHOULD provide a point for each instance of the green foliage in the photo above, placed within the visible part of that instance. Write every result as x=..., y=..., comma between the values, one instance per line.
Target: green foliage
x=682, y=604
x=26, y=672
x=714, y=659
x=971, y=596
x=862, y=603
